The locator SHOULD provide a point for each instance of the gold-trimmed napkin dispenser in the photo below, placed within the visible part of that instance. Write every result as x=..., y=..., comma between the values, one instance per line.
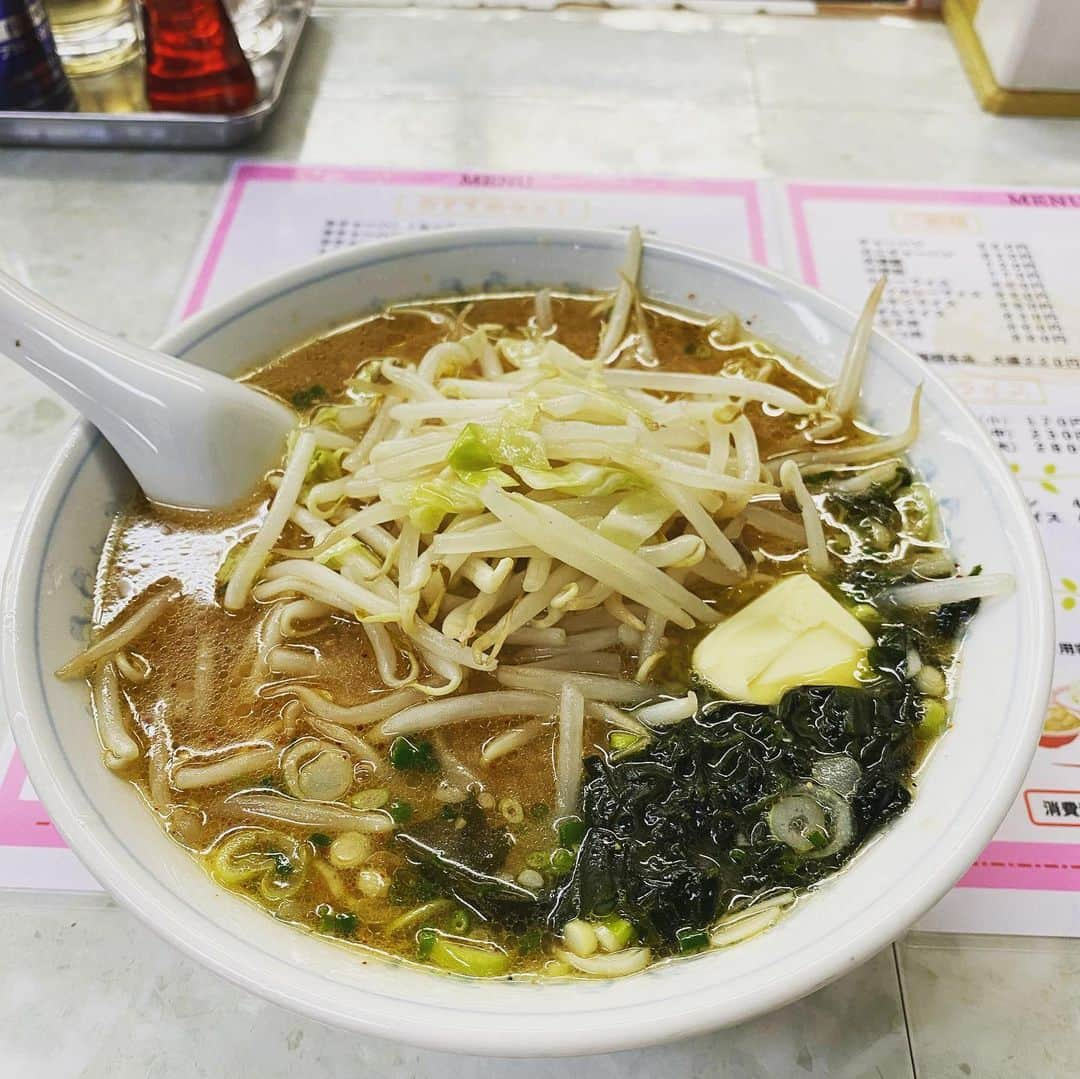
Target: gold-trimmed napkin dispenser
x=1022, y=56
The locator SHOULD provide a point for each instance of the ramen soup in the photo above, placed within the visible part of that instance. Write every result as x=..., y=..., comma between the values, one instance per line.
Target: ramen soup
x=574, y=633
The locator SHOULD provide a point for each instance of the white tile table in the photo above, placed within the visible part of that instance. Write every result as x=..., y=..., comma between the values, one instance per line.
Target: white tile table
x=84, y=989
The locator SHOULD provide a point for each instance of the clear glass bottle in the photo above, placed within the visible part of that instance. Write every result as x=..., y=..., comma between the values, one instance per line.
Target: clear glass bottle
x=120, y=89
x=257, y=24
x=94, y=36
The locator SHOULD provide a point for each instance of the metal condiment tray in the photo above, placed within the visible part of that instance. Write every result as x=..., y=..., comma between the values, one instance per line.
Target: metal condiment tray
x=167, y=130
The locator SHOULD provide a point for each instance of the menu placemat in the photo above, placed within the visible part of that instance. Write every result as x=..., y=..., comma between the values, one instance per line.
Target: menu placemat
x=272, y=217
x=981, y=286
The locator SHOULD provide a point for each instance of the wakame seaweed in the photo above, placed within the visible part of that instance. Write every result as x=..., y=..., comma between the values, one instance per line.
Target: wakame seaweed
x=677, y=832
x=672, y=835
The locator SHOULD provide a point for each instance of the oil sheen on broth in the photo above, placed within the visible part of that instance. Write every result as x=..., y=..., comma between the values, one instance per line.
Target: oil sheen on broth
x=205, y=694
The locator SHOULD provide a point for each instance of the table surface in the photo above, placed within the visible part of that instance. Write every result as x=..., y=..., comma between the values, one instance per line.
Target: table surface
x=87, y=990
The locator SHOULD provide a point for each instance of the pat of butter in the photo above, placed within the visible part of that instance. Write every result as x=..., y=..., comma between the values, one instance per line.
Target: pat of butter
x=795, y=634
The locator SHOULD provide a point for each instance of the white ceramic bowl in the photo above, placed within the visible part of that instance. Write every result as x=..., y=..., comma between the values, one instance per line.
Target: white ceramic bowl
x=963, y=793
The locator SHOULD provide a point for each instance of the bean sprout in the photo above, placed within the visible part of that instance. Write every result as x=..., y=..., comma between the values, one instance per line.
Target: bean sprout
x=119, y=636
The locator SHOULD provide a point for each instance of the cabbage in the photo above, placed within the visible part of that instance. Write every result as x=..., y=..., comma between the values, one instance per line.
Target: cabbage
x=635, y=518
x=430, y=500
x=480, y=449
x=327, y=416
x=580, y=478
x=599, y=404
x=325, y=466
x=346, y=417
x=231, y=561
x=471, y=452
x=335, y=555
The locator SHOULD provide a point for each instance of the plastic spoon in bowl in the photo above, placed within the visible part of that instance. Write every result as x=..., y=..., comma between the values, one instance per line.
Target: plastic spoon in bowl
x=191, y=437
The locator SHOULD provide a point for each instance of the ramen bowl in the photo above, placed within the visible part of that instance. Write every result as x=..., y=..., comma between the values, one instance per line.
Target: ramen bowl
x=963, y=791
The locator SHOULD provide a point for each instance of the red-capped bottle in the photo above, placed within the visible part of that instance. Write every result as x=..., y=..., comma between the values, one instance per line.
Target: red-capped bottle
x=193, y=61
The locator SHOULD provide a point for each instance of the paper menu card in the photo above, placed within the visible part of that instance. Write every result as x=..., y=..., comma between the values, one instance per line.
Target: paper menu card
x=975, y=276
x=980, y=284
x=288, y=214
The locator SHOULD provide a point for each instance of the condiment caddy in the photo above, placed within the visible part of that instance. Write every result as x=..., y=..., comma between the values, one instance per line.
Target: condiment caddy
x=166, y=129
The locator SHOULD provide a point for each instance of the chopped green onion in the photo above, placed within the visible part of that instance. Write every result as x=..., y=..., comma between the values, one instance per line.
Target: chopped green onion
x=614, y=933
x=335, y=922
x=571, y=831
x=538, y=859
x=459, y=922
x=562, y=860
x=935, y=719
x=691, y=940
x=623, y=743
x=409, y=756
x=425, y=941
x=794, y=818
x=475, y=959
x=400, y=811
x=580, y=937
x=320, y=839
x=539, y=811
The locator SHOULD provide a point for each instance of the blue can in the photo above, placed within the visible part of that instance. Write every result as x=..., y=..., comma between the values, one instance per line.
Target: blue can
x=31, y=76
